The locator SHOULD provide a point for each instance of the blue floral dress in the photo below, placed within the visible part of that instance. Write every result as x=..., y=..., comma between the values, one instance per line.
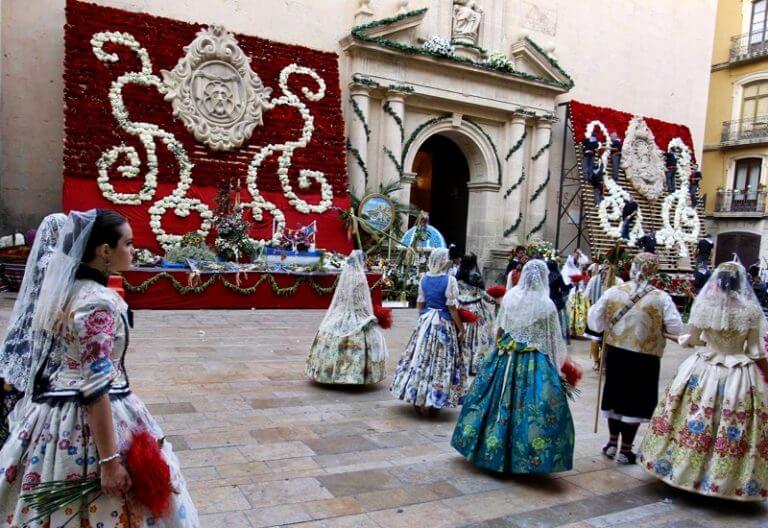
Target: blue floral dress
x=432, y=372
x=516, y=418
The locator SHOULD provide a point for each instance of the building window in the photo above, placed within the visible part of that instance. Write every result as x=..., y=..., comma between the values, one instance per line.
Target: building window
x=757, y=25
x=747, y=174
x=755, y=100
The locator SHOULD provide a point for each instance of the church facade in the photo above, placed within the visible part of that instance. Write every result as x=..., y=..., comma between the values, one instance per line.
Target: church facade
x=457, y=102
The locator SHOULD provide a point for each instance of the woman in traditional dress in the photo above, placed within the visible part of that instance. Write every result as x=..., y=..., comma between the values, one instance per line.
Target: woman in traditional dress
x=577, y=307
x=82, y=418
x=349, y=346
x=635, y=318
x=478, y=335
x=431, y=374
x=709, y=434
x=516, y=418
x=558, y=292
x=20, y=347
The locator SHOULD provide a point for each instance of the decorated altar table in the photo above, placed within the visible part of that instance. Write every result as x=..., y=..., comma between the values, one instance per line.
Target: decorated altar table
x=164, y=289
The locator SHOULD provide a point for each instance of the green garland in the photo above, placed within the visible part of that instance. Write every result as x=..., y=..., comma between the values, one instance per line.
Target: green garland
x=542, y=149
x=537, y=228
x=389, y=110
x=517, y=184
x=493, y=145
x=405, y=88
x=359, y=113
x=398, y=165
x=365, y=81
x=541, y=188
x=418, y=130
x=514, y=226
x=552, y=61
x=469, y=45
x=359, y=159
x=358, y=32
x=525, y=111
x=516, y=146
x=250, y=290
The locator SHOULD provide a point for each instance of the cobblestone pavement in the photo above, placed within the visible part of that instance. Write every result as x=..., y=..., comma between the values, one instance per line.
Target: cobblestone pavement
x=260, y=446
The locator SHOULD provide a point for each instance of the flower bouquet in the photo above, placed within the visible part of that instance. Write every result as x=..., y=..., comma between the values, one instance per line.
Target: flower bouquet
x=150, y=475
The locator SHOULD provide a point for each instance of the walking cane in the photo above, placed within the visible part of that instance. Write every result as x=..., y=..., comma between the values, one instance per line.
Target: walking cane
x=610, y=276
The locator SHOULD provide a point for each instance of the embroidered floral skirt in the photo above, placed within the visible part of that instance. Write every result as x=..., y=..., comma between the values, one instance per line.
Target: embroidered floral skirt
x=515, y=417
x=348, y=360
x=709, y=434
x=431, y=372
x=577, y=313
x=478, y=336
x=52, y=442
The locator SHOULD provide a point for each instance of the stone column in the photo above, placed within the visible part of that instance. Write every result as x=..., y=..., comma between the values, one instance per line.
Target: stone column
x=393, y=114
x=513, y=170
x=537, y=208
x=357, y=158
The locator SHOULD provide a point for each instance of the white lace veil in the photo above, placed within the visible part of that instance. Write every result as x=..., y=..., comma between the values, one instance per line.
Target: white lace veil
x=17, y=353
x=351, y=308
x=727, y=302
x=528, y=315
x=60, y=275
x=438, y=261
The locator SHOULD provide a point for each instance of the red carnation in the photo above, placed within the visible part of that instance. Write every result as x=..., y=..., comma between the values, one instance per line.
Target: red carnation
x=384, y=316
x=572, y=372
x=467, y=316
x=150, y=473
x=579, y=277
x=497, y=291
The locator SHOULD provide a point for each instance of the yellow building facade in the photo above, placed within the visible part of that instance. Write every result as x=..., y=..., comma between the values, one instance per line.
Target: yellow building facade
x=735, y=159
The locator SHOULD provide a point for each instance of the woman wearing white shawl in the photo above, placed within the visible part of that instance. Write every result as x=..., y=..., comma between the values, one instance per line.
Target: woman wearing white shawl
x=709, y=434
x=21, y=348
x=349, y=346
x=516, y=418
x=432, y=373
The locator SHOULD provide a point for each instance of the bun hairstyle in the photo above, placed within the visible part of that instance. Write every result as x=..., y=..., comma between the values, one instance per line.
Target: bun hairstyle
x=105, y=230
x=728, y=278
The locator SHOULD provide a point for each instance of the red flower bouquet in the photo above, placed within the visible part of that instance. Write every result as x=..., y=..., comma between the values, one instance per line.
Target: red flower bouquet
x=383, y=315
x=468, y=317
x=497, y=291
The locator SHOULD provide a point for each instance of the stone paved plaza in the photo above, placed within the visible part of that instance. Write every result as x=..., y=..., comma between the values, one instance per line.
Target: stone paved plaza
x=261, y=446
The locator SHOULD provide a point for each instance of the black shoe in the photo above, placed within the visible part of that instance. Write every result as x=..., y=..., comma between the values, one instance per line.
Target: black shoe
x=609, y=450
x=626, y=458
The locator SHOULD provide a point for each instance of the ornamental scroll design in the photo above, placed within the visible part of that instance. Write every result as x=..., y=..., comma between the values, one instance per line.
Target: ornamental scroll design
x=642, y=160
x=214, y=91
x=681, y=223
x=149, y=133
x=611, y=207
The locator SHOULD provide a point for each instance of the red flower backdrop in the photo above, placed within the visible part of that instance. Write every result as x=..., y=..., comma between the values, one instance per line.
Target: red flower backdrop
x=92, y=130
x=616, y=121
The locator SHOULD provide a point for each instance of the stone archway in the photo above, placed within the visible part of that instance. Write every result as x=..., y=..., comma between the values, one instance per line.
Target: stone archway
x=484, y=171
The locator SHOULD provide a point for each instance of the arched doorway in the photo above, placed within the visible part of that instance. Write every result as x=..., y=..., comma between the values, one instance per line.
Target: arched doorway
x=440, y=187
x=745, y=245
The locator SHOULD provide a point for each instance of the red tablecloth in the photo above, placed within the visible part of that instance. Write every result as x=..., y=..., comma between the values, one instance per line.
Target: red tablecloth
x=163, y=296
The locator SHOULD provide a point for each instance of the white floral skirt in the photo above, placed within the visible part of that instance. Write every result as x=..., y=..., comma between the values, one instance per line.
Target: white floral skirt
x=53, y=442
x=709, y=434
x=478, y=336
x=358, y=359
x=431, y=372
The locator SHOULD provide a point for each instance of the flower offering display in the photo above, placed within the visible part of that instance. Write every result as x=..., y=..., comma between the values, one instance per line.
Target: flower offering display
x=644, y=141
x=159, y=112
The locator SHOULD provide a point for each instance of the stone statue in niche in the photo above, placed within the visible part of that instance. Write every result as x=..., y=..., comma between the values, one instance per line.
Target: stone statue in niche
x=467, y=16
x=214, y=91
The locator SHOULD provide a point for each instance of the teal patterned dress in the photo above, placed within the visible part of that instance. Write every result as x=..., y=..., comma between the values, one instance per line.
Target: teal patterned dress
x=516, y=418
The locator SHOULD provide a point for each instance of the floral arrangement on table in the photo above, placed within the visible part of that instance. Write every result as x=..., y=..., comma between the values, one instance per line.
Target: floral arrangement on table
x=144, y=257
x=677, y=286
x=192, y=246
x=232, y=240
x=540, y=248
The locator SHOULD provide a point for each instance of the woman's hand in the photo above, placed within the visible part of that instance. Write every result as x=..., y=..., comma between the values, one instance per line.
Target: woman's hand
x=115, y=480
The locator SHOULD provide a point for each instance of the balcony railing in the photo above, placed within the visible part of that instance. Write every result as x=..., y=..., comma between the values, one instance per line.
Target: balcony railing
x=735, y=201
x=751, y=130
x=748, y=46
